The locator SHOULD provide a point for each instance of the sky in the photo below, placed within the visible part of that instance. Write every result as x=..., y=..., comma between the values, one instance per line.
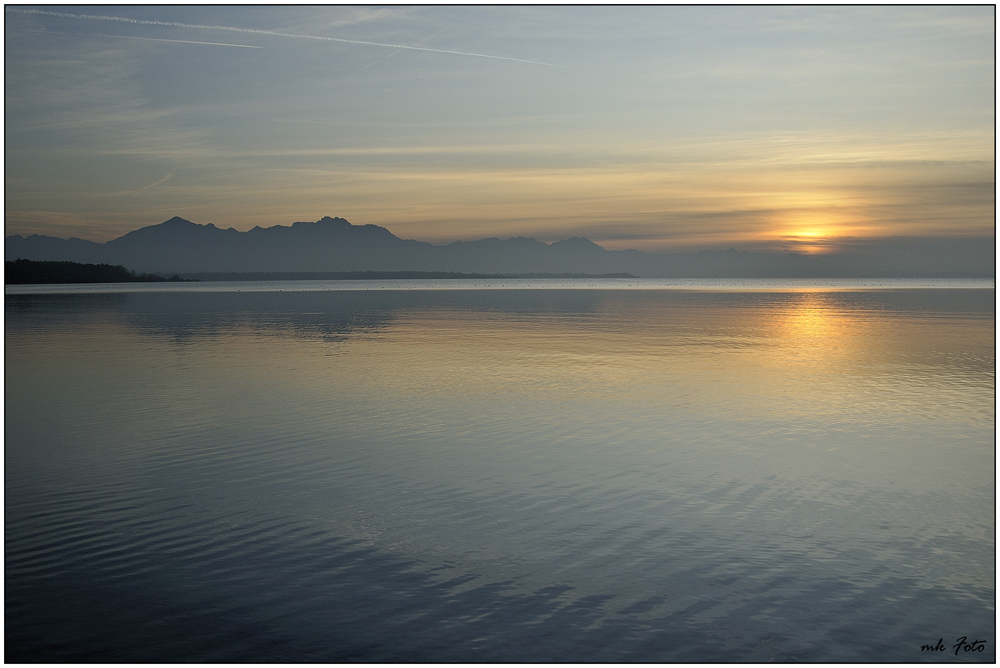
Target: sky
x=657, y=128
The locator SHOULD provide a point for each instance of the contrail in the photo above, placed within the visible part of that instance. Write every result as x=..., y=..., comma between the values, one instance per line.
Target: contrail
x=181, y=41
x=376, y=62
x=254, y=31
x=155, y=183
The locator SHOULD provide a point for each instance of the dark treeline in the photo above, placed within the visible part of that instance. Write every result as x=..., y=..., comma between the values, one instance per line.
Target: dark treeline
x=29, y=271
x=373, y=275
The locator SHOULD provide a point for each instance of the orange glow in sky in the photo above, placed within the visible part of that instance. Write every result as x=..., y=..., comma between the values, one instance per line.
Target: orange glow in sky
x=657, y=128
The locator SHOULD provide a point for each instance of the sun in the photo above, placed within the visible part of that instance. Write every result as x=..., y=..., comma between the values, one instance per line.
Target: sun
x=811, y=233
x=811, y=240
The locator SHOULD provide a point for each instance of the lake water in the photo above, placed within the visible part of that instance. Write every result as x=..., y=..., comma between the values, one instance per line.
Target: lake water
x=500, y=471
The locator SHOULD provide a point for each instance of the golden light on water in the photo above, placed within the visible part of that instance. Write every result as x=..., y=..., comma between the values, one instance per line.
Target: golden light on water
x=811, y=320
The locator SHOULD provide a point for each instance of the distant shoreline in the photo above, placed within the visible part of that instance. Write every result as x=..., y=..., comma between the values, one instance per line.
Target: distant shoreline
x=46, y=272
x=415, y=284
x=32, y=272
x=35, y=272
x=376, y=275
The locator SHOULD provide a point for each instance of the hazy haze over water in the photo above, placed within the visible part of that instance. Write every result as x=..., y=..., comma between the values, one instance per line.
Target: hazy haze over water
x=782, y=472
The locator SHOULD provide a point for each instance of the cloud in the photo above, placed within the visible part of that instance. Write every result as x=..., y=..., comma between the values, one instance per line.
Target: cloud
x=155, y=183
x=180, y=41
x=616, y=148
x=270, y=33
x=67, y=98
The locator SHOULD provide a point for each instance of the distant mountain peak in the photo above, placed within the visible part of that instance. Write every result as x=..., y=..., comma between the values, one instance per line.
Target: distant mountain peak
x=177, y=220
x=576, y=242
x=327, y=220
x=324, y=223
x=333, y=244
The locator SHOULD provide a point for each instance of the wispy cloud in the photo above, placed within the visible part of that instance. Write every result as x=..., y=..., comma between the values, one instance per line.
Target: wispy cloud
x=376, y=62
x=270, y=33
x=180, y=41
x=676, y=127
x=155, y=183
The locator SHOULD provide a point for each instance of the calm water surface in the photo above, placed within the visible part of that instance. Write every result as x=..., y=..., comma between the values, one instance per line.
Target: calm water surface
x=759, y=474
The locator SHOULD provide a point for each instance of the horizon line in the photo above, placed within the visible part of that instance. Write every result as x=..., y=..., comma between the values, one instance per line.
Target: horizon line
x=718, y=248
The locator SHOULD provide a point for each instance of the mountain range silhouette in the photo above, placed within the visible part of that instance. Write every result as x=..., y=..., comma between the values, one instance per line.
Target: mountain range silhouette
x=335, y=245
